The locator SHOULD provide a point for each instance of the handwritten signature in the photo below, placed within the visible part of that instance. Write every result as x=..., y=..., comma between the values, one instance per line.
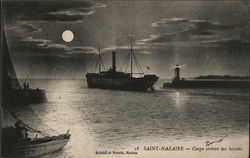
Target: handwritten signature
x=216, y=141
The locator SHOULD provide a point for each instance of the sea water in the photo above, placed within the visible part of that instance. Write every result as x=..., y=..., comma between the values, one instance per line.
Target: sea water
x=118, y=121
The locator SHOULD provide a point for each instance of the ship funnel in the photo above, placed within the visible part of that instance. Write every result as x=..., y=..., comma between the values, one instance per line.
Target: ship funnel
x=113, y=61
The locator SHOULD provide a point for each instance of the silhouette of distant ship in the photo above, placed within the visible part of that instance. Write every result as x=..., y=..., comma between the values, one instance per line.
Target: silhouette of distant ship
x=207, y=81
x=115, y=80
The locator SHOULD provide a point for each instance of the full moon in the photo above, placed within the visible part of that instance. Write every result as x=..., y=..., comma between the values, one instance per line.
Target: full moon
x=67, y=36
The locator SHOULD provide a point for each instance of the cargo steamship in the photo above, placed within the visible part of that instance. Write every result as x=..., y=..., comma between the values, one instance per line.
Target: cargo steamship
x=118, y=80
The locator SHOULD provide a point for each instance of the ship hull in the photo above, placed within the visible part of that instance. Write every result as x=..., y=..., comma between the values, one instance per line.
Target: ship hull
x=130, y=84
x=30, y=148
x=26, y=96
x=36, y=96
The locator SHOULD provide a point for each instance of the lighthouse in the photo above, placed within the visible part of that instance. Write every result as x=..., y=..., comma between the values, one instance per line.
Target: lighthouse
x=177, y=73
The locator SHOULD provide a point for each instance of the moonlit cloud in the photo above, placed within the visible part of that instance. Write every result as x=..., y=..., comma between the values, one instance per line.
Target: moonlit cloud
x=144, y=41
x=45, y=44
x=165, y=22
x=186, y=32
x=145, y=52
x=113, y=48
x=86, y=50
x=73, y=12
x=77, y=12
x=41, y=42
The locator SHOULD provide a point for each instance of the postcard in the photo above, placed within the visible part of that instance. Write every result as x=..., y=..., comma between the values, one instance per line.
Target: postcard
x=125, y=79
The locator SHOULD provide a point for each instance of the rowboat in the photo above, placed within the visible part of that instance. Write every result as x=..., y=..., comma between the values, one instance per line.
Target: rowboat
x=32, y=147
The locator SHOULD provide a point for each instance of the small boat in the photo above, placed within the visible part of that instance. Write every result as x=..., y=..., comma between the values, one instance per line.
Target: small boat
x=28, y=148
x=11, y=87
x=28, y=95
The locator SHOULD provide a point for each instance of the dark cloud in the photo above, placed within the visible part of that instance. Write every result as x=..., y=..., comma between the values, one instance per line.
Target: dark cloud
x=180, y=32
x=47, y=10
x=166, y=39
x=22, y=27
x=169, y=37
x=28, y=27
x=77, y=12
x=228, y=43
x=141, y=49
x=203, y=27
x=192, y=24
x=186, y=32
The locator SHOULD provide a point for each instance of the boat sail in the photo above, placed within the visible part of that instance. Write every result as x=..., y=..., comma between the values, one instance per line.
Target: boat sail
x=15, y=93
x=42, y=140
x=118, y=80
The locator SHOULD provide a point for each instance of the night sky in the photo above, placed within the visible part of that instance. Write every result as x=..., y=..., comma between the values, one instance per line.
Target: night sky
x=204, y=37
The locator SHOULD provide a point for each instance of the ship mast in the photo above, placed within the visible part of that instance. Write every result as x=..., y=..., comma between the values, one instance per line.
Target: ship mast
x=131, y=55
x=1, y=72
x=99, y=58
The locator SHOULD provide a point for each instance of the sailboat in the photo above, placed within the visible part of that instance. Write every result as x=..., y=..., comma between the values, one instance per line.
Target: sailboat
x=118, y=80
x=19, y=119
x=16, y=93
